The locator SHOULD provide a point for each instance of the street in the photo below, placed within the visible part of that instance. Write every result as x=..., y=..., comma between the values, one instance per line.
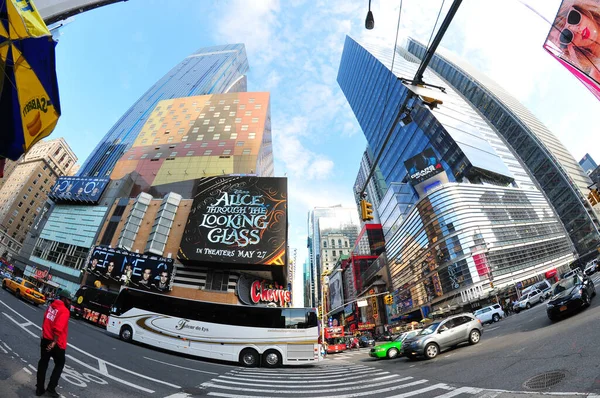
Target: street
x=510, y=352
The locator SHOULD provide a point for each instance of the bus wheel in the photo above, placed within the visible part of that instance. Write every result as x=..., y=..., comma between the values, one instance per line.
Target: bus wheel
x=126, y=334
x=272, y=359
x=249, y=358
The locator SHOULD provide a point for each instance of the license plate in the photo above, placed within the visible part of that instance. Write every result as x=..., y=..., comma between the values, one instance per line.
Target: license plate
x=563, y=308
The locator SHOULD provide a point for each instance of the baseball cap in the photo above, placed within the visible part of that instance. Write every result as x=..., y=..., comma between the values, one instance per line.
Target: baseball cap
x=65, y=293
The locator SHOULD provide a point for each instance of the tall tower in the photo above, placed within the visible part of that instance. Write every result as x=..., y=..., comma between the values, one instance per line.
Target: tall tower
x=554, y=170
x=210, y=70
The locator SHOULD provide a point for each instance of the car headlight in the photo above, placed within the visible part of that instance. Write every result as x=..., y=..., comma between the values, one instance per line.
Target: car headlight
x=577, y=293
x=549, y=306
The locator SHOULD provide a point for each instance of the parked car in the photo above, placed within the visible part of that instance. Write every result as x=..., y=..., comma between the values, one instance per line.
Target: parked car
x=24, y=289
x=544, y=286
x=5, y=274
x=439, y=336
x=393, y=348
x=490, y=314
x=591, y=267
x=366, y=341
x=569, y=274
x=570, y=295
x=529, y=300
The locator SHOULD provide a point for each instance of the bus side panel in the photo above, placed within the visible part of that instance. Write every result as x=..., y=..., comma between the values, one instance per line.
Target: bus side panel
x=301, y=354
x=223, y=351
x=201, y=349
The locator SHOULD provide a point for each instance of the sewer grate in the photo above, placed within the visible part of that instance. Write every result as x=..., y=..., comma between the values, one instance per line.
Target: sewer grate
x=545, y=380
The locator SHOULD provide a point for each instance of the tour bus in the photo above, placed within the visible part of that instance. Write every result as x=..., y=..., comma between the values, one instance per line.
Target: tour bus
x=244, y=334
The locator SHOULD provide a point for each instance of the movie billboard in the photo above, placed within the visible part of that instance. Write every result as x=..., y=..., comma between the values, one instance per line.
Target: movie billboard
x=336, y=296
x=237, y=220
x=423, y=166
x=116, y=266
x=573, y=41
x=78, y=189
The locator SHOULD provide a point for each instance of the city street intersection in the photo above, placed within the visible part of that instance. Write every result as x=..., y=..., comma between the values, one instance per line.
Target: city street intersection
x=511, y=352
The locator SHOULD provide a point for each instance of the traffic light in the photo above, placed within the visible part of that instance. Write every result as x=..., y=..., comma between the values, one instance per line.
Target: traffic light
x=389, y=299
x=594, y=197
x=492, y=284
x=366, y=210
x=320, y=311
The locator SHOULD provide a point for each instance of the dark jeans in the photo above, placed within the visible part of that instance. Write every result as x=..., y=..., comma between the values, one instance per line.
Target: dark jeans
x=58, y=355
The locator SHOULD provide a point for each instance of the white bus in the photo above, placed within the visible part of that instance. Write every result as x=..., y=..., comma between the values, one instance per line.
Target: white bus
x=248, y=335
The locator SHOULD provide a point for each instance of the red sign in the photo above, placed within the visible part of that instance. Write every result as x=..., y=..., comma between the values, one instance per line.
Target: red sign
x=481, y=264
x=551, y=274
x=366, y=326
x=336, y=331
x=259, y=292
x=42, y=274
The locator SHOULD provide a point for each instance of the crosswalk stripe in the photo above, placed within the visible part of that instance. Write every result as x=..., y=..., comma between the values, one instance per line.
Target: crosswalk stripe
x=305, y=385
x=328, y=390
x=374, y=372
x=309, y=381
x=461, y=390
x=336, y=369
x=438, y=386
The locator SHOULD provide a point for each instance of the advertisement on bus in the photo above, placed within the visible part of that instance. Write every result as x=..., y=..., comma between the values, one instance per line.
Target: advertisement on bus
x=239, y=220
x=109, y=266
x=573, y=41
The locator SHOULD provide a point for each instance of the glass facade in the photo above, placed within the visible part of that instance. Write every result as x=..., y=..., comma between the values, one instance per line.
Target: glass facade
x=480, y=219
x=219, y=69
x=375, y=188
x=554, y=169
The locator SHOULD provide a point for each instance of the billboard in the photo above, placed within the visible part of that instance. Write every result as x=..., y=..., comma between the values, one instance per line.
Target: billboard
x=573, y=41
x=336, y=297
x=116, y=266
x=237, y=220
x=56, y=10
x=78, y=189
x=423, y=166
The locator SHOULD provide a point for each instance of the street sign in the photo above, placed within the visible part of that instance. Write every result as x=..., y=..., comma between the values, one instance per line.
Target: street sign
x=362, y=303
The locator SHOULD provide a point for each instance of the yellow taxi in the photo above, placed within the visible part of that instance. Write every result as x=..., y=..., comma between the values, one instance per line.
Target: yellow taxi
x=24, y=289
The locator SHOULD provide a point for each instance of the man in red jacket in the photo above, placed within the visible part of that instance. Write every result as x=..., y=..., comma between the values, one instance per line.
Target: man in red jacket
x=54, y=342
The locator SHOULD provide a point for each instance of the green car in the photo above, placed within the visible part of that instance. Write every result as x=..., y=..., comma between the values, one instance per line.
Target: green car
x=392, y=349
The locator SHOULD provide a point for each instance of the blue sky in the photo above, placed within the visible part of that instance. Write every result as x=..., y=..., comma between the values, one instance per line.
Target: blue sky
x=108, y=57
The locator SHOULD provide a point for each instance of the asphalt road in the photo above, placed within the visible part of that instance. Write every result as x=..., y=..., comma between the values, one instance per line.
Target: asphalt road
x=510, y=352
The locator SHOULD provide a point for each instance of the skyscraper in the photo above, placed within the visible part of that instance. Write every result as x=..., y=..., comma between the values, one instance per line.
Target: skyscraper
x=210, y=70
x=460, y=213
x=554, y=170
x=588, y=164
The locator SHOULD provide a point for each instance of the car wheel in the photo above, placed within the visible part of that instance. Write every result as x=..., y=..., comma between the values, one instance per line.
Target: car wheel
x=126, y=334
x=431, y=350
x=496, y=318
x=18, y=293
x=272, y=359
x=474, y=336
x=249, y=358
x=528, y=306
x=552, y=319
x=4, y=285
x=586, y=300
x=392, y=353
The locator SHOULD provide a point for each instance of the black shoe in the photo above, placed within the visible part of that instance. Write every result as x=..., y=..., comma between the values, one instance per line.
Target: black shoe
x=39, y=392
x=52, y=393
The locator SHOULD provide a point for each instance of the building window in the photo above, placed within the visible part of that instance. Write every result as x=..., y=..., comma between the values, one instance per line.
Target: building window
x=190, y=153
x=221, y=102
x=222, y=143
x=217, y=280
x=257, y=106
x=246, y=152
x=251, y=136
x=206, y=121
x=217, y=114
x=200, y=137
x=211, y=109
x=251, y=100
x=236, y=101
x=238, y=119
x=207, y=152
x=186, y=146
x=216, y=136
x=221, y=121
x=227, y=152
x=242, y=106
x=144, y=156
x=234, y=136
x=244, y=127
x=180, y=131
x=248, y=113
x=158, y=154
x=201, y=116
x=228, y=128
x=173, y=154
x=254, y=120
x=240, y=143
x=211, y=129
x=195, y=129
x=231, y=113
x=226, y=107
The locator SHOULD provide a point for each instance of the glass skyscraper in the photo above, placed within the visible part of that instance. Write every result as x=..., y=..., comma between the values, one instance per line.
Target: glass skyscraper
x=461, y=212
x=553, y=168
x=210, y=70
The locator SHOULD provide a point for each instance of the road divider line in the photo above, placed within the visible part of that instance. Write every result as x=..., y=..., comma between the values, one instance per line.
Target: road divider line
x=182, y=367
x=7, y=346
x=2, y=348
x=85, y=365
x=27, y=370
x=20, y=325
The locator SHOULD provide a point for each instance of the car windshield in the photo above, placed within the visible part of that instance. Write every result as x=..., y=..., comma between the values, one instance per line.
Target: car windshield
x=30, y=285
x=429, y=329
x=565, y=284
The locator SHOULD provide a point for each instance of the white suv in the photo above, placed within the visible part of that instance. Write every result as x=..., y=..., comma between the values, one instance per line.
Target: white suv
x=490, y=314
x=529, y=299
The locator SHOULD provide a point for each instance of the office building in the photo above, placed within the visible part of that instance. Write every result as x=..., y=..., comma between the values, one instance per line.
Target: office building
x=588, y=164
x=460, y=213
x=334, y=219
x=210, y=70
x=26, y=188
x=307, y=282
x=552, y=168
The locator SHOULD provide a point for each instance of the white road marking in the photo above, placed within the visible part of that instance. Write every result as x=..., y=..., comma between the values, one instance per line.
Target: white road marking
x=27, y=370
x=32, y=367
x=461, y=390
x=179, y=395
x=6, y=345
x=236, y=380
x=490, y=329
x=315, y=372
x=439, y=386
x=2, y=348
x=102, y=368
x=374, y=372
x=181, y=367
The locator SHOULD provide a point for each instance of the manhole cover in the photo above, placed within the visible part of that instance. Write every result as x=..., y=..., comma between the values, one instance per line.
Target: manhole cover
x=545, y=380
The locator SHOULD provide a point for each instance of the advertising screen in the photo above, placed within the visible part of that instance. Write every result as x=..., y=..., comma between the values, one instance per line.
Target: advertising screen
x=423, y=166
x=116, y=266
x=78, y=189
x=237, y=220
x=573, y=41
x=336, y=296
x=252, y=290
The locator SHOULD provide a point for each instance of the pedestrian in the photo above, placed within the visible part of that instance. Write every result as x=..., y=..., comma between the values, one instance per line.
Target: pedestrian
x=54, y=342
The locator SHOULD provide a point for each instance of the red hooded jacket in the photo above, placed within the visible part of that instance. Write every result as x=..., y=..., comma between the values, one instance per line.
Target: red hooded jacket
x=56, y=323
